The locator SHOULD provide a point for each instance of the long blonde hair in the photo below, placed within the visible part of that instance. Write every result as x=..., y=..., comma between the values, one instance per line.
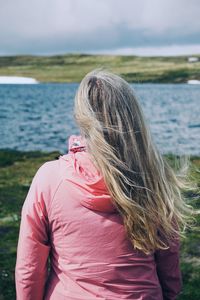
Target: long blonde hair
x=144, y=187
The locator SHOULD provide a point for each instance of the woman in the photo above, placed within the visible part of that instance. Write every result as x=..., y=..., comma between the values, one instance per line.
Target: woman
x=107, y=213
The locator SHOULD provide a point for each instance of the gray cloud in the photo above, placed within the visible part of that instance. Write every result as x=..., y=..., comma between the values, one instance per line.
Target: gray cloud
x=56, y=26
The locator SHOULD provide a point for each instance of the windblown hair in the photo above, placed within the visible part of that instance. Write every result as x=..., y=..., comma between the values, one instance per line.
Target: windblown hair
x=145, y=189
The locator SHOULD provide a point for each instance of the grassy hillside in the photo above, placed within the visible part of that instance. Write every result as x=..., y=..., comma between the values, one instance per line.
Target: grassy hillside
x=72, y=67
x=16, y=172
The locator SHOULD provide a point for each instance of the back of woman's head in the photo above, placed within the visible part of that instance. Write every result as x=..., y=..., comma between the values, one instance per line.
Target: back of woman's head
x=143, y=186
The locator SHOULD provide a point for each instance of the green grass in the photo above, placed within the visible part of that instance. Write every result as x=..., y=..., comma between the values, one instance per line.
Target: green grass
x=73, y=67
x=16, y=172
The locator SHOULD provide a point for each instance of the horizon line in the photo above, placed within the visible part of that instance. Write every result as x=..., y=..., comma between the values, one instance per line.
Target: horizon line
x=148, y=51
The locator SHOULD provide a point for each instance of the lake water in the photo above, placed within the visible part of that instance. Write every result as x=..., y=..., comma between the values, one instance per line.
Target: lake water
x=40, y=117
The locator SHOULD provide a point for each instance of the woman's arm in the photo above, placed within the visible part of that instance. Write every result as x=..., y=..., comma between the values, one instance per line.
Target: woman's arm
x=31, y=269
x=168, y=270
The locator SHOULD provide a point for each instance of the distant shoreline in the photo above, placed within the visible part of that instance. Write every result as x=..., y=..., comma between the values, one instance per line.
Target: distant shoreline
x=71, y=68
x=9, y=156
x=29, y=81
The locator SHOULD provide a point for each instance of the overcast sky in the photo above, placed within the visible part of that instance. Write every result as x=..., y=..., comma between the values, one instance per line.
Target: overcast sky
x=99, y=26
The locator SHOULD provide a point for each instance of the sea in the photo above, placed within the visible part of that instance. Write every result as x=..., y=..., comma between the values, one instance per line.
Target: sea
x=40, y=116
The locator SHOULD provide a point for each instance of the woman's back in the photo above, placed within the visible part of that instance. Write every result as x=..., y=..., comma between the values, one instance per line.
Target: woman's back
x=76, y=222
x=108, y=213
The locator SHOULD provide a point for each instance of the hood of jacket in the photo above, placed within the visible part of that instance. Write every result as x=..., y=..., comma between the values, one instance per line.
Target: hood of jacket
x=87, y=176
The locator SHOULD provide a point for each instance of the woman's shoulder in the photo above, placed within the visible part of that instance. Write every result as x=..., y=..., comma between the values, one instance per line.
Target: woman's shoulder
x=51, y=172
x=47, y=179
x=48, y=170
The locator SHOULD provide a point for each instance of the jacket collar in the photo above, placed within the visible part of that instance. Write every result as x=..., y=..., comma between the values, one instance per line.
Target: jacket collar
x=87, y=175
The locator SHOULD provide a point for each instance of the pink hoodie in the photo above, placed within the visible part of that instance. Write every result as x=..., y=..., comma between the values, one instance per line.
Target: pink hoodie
x=68, y=216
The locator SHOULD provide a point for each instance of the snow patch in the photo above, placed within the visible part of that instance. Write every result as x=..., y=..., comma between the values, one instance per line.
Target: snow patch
x=193, y=81
x=17, y=80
